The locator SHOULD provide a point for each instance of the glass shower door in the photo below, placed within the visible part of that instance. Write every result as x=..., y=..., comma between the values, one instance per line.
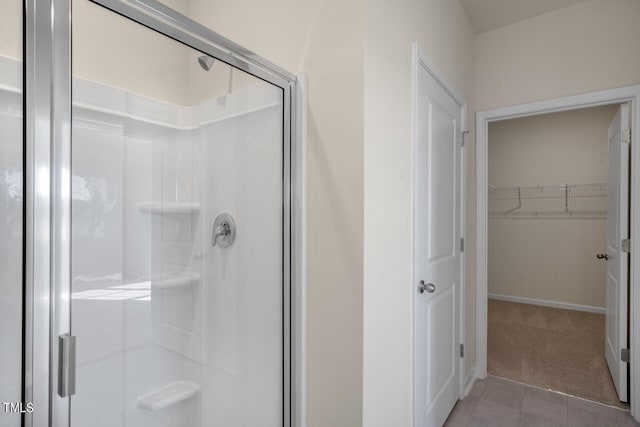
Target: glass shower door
x=11, y=212
x=178, y=248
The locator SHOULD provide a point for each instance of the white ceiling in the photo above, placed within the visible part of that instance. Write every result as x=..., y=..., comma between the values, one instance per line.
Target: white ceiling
x=486, y=15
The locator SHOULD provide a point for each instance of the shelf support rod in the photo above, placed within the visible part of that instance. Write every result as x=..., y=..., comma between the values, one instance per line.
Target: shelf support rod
x=517, y=207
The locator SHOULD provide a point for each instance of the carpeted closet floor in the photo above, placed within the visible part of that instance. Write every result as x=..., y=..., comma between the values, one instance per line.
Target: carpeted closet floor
x=557, y=349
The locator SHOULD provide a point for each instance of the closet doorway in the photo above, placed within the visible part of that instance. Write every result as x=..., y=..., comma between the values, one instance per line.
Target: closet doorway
x=550, y=190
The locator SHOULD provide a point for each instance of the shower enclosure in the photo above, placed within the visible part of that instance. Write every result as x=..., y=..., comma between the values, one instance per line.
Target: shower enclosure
x=155, y=178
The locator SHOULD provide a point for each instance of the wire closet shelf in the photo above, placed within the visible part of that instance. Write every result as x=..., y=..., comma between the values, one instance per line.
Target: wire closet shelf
x=588, y=201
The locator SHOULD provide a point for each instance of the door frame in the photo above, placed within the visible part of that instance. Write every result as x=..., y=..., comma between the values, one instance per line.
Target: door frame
x=421, y=60
x=47, y=116
x=483, y=118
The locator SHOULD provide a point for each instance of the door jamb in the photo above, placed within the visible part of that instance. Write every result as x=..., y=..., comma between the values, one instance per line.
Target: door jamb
x=483, y=118
x=420, y=59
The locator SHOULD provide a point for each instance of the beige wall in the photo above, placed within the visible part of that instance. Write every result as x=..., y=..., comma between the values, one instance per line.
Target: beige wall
x=442, y=30
x=323, y=38
x=569, y=147
x=549, y=259
x=582, y=48
x=156, y=67
x=11, y=29
x=115, y=51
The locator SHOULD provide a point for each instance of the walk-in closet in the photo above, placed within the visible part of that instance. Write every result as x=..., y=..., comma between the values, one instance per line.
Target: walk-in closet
x=549, y=199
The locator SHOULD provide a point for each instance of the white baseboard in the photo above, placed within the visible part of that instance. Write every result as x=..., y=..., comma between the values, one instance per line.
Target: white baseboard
x=546, y=303
x=470, y=380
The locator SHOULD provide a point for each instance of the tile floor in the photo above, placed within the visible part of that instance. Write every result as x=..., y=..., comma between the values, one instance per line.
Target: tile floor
x=499, y=402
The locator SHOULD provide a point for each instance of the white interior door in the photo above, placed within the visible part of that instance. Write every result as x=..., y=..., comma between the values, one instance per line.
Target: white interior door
x=437, y=251
x=618, y=259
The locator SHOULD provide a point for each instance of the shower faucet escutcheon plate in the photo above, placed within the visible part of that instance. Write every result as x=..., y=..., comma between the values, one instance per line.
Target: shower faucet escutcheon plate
x=224, y=231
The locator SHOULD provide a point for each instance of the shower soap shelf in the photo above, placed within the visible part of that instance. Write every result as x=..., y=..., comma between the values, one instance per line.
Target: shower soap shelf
x=175, y=280
x=159, y=208
x=168, y=395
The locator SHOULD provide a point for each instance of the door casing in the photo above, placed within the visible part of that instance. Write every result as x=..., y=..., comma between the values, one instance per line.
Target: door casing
x=620, y=95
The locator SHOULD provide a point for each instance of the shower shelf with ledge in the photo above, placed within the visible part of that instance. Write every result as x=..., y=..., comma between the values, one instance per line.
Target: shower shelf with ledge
x=160, y=208
x=168, y=395
x=175, y=280
x=586, y=201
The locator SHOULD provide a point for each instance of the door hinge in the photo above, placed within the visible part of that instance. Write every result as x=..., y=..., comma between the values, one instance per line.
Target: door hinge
x=626, y=136
x=463, y=140
x=625, y=246
x=66, y=365
x=461, y=245
x=461, y=350
x=624, y=355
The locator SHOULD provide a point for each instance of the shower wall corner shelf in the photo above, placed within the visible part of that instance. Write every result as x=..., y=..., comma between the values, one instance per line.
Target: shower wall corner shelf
x=168, y=395
x=175, y=280
x=159, y=208
x=586, y=201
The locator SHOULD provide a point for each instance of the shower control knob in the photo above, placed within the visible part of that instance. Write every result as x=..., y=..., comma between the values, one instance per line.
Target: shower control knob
x=224, y=231
x=426, y=287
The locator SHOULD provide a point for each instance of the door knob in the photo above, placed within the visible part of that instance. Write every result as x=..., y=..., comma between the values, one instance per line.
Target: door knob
x=428, y=287
x=602, y=256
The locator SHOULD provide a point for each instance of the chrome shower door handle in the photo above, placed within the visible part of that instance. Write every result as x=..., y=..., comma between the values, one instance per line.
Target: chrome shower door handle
x=428, y=287
x=602, y=256
x=66, y=365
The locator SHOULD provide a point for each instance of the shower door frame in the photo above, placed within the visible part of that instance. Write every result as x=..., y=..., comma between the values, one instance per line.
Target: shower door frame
x=47, y=85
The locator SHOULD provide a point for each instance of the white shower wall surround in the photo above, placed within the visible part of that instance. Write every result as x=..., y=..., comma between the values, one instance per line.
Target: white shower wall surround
x=170, y=330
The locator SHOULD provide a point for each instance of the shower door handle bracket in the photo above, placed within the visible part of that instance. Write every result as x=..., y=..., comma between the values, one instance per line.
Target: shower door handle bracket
x=66, y=365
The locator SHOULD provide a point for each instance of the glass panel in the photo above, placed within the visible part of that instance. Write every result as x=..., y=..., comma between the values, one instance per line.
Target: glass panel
x=172, y=331
x=11, y=208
